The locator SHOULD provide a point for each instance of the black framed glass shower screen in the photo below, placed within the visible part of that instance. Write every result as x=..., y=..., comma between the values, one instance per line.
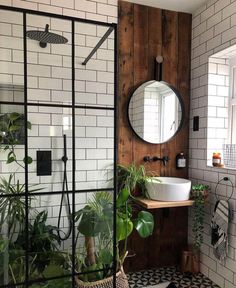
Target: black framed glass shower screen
x=58, y=151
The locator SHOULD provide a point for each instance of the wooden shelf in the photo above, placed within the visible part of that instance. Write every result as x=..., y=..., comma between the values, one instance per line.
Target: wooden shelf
x=152, y=204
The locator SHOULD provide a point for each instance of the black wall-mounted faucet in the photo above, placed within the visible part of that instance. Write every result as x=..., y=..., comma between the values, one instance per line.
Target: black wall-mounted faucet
x=164, y=159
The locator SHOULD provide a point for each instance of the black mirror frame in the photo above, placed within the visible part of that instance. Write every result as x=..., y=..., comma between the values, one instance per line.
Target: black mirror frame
x=181, y=105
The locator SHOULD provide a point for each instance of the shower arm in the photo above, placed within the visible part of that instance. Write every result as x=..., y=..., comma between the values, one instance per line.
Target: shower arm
x=99, y=44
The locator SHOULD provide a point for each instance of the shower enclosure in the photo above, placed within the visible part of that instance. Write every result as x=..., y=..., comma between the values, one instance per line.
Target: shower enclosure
x=58, y=149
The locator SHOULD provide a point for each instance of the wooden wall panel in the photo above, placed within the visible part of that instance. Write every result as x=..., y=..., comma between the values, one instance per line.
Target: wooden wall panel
x=144, y=33
x=126, y=85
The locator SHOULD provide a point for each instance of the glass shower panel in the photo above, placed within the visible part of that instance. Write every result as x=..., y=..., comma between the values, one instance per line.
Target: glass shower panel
x=94, y=148
x=12, y=256
x=49, y=256
x=11, y=57
x=50, y=138
x=49, y=64
x=12, y=193
x=94, y=85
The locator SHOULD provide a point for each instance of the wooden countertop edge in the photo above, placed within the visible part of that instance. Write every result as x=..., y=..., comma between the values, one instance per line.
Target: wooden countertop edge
x=152, y=204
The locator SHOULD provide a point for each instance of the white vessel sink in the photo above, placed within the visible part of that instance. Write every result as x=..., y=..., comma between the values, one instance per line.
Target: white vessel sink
x=168, y=188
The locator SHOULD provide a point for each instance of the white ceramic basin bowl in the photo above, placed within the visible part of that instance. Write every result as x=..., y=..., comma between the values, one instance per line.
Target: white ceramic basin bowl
x=169, y=189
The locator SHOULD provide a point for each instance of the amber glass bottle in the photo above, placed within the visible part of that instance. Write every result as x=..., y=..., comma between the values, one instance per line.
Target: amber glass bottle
x=216, y=159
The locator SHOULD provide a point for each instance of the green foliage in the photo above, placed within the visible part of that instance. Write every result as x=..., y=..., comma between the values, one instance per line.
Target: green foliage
x=12, y=208
x=125, y=221
x=132, y=177
x=12, y=134
x=144, y=224
x=17, y=267
x=43, y=240
x=97, y=216
x=17, y=271
x=12, y=128
x=3, y=251
x=45, y=260
x=95, y=220
x=200, y=187
x=198, y=214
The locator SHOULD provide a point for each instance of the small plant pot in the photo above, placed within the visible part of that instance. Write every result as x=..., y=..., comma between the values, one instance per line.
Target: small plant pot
x=196, y=263
x=121, y=282
x=190, y=261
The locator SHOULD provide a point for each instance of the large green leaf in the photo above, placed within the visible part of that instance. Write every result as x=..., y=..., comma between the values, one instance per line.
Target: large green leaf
x=14, y=116
x=124, y=227
x=144, y=224
x=90, y=224
x=123, y=196
x=10, y=160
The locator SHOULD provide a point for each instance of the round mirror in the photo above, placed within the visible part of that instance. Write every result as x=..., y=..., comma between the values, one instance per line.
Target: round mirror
x=156, y=112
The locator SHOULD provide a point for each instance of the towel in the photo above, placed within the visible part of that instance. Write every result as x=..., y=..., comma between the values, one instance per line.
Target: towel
x=219, y=229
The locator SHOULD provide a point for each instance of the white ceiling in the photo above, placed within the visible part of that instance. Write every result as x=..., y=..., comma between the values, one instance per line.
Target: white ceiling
x=188, y=6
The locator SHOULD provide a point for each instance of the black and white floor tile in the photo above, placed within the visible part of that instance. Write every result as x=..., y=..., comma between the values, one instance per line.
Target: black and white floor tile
x=153, y=277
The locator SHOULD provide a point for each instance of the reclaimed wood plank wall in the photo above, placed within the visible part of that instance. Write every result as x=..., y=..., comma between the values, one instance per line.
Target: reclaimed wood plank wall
x=145, y=32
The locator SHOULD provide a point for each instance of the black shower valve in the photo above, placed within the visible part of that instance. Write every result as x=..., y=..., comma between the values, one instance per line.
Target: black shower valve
x=147, y=159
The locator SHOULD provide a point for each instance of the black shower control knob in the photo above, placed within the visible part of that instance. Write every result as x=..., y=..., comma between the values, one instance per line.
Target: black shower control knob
x=147, y=159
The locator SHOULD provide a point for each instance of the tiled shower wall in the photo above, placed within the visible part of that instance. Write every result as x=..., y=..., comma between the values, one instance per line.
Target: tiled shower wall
x=213, y=29
x=100, y=10
x=49, y=81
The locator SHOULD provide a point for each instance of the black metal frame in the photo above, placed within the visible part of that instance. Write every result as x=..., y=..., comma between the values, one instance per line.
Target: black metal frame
x=181, y=101
x=73, y=106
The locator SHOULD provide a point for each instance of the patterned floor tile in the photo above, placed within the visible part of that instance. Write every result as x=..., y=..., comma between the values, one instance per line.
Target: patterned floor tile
x=152, y=277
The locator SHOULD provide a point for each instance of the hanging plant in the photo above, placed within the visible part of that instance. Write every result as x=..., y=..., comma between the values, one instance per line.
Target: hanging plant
x=199, y=194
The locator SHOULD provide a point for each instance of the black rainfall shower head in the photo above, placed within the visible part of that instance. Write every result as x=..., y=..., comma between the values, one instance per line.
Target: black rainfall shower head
x=45, y=37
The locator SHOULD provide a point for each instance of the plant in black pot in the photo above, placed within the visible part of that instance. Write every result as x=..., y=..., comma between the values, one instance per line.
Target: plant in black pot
x=95, y=223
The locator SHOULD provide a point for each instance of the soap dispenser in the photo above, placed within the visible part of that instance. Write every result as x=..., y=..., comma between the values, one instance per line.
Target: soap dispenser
x=180, y=161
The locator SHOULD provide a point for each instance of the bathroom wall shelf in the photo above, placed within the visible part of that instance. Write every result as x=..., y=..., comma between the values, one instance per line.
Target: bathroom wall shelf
x=152, y=204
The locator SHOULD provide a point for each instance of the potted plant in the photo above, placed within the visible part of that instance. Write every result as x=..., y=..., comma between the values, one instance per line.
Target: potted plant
x=95, y=223
x=45, y=259
x=199, y=194
x=134, y=177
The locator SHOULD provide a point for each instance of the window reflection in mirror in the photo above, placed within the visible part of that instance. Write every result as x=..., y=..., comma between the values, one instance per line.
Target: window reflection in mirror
x=155, y=112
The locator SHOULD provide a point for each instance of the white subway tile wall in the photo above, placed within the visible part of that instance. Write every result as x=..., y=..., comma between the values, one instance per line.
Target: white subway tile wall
x=49, y=81
x=100, y=10
x=213, y=30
